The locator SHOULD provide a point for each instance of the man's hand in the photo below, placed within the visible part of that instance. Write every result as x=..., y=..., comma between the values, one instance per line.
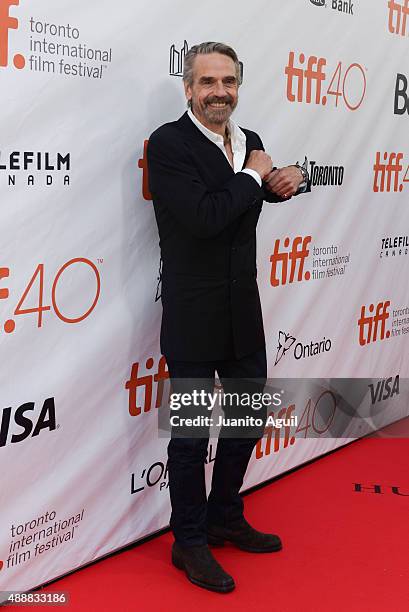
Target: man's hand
x=284, y=181
x=260, y=162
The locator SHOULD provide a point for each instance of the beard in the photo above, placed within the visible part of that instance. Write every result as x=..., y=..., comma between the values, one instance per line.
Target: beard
x=220, y=115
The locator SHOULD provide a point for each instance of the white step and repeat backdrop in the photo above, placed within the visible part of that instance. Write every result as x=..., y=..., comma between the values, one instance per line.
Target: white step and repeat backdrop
x=83, y=84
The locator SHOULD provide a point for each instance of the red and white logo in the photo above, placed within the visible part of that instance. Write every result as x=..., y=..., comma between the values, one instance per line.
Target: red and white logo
x=306, y=78
x=372, y=327
x=398, y=13
x=388, y=173
x=287, y=262
x=143, y=164
x=7, y=23
x=145, y=382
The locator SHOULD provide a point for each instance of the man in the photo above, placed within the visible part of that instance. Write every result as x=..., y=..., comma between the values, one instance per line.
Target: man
x=208, y=179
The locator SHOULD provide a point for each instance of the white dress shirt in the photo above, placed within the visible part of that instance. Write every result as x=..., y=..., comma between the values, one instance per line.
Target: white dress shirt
x=238, y=145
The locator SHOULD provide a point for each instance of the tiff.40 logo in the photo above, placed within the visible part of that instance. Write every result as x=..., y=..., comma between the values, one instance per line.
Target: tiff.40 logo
x=387, y=173
x=8, y=23
x=310, y=75
x=287, y=264
x=368, y=324
x=398, y=13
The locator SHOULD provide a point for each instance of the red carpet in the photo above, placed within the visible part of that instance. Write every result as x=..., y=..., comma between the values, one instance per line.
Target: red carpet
x=343, y=550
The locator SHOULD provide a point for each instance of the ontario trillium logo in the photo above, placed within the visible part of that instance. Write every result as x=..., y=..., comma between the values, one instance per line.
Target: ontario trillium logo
x=285, y=342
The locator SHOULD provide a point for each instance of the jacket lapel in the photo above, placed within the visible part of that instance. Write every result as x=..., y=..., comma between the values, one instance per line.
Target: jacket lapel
x=206, y=148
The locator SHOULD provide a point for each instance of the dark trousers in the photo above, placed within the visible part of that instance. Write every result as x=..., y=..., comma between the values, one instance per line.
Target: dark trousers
x=191, y=511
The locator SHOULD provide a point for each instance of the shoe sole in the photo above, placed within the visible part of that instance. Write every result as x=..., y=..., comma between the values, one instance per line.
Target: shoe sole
x=204, y=585
x=216, y=541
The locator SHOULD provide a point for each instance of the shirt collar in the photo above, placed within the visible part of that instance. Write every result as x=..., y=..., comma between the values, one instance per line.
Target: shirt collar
x=237, y=136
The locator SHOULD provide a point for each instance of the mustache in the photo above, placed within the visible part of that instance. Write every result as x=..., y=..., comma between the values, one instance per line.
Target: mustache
x=214, y=99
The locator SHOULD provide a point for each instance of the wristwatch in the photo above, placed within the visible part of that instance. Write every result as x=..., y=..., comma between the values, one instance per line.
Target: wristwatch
x=304, y=171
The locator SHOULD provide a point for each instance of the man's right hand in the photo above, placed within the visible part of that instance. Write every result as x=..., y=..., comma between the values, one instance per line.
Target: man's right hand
x=260, y=162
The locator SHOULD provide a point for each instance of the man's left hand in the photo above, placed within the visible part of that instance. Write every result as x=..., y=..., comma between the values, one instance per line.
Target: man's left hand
x=284, y=181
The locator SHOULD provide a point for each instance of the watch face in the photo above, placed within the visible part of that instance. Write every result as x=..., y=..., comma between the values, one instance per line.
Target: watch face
x=303, y=172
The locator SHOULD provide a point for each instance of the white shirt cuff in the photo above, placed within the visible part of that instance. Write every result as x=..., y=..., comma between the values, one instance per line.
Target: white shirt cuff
x=254, y=174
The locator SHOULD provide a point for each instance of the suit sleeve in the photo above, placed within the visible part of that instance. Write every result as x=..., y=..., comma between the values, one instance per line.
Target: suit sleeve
x=175, y=183
x=273, y=197
x=268, y=196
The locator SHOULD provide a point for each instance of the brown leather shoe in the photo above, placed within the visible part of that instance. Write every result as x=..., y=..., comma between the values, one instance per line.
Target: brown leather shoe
x=202, y=568
x=244, y=537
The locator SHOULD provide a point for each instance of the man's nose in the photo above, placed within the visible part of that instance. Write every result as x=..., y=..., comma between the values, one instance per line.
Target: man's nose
x=219, y=89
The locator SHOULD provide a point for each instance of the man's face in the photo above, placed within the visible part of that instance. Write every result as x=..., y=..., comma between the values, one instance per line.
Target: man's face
x=214, y=92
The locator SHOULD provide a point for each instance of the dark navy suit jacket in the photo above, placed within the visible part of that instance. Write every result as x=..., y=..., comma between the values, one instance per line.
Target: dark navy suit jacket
x=207, y=217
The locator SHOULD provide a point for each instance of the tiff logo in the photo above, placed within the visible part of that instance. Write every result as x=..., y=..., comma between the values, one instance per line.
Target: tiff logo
x=390, y=167
x=313, y=73
x=263, y=447
x=8, y=23
x=400, y=11
x=368, y=325
x=143, y=165
x=146, y=383
x=4, y=292
x=296, y=253
x=177, y=59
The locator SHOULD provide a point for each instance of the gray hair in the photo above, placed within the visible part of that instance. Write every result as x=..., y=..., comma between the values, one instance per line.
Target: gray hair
x=203, y=49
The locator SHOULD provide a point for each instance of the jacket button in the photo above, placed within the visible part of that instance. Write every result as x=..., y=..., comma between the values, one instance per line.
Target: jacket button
x=234, y=248
x=234, y=280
